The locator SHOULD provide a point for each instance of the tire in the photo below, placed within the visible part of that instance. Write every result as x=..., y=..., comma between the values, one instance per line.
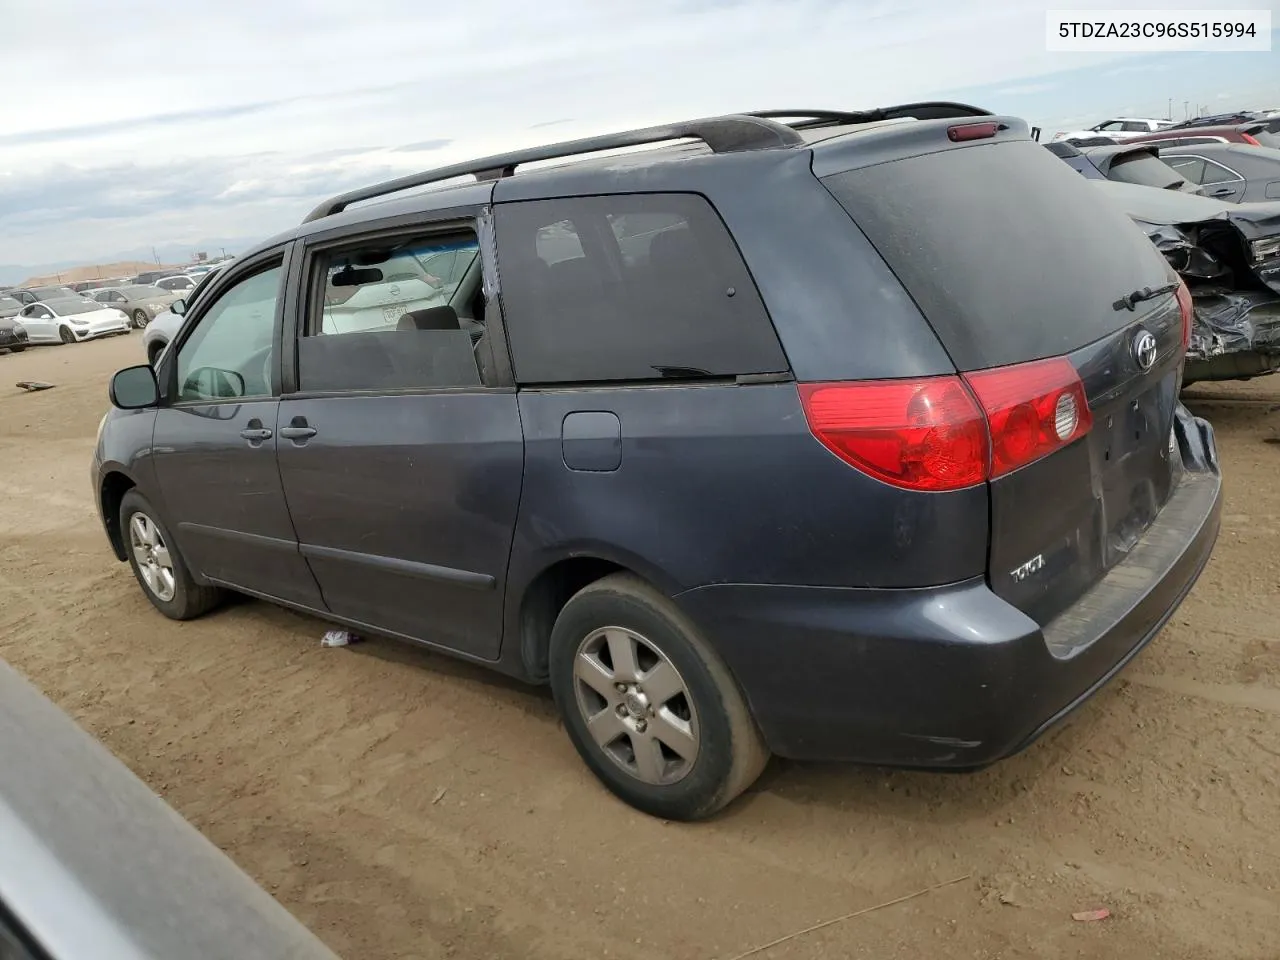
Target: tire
x=19, y=348
x=65, y=335
x=154, y=351
x=708, y=717
x=140, y=318
x=178, y=596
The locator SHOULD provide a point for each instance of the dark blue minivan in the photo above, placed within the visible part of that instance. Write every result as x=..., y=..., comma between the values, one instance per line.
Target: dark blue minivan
x=830, y=435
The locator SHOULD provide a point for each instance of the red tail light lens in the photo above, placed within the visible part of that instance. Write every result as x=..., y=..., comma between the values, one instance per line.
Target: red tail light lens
x=917, y=434
x=950, y=432
x=1186, y=308
x=1032, y=408
x=1248, y=139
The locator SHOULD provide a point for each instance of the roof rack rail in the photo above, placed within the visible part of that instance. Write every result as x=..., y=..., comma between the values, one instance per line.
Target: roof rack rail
x=924, y=110
x=726, y=134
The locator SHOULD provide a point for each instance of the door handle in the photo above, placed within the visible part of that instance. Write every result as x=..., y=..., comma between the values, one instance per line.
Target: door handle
x=255, y=432
x=299, y=431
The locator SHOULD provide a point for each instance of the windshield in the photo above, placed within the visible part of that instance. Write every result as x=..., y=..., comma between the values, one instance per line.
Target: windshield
x=1148, y=171
x=140, y=291
x=8, y=303
x=67, y=308
x=1051, y=262
x=50, y=293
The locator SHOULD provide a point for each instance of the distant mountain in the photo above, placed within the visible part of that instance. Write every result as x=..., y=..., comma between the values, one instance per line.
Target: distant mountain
x=169, y=253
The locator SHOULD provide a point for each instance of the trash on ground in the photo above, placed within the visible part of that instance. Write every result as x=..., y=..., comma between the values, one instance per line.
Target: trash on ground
x=439, y=795
x=1087, y=916
x=35, y=385
x=339, y=638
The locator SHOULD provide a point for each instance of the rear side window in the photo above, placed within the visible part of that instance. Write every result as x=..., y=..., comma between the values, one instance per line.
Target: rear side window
x=1190, y=167
x=628, y=288
x=1010, y=255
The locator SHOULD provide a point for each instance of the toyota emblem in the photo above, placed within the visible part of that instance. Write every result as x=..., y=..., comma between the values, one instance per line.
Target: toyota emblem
x=1145, y=349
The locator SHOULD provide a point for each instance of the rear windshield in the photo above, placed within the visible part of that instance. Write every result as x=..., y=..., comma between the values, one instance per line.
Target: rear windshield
x=1267, y=139
x=1011, y=255
x=1148, y=171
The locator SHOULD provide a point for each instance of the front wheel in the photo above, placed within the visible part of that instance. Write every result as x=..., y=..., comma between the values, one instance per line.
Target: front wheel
x=140, y=319
x=650, y=707
x=157, y=564
x=18, y=348
x=66, y=336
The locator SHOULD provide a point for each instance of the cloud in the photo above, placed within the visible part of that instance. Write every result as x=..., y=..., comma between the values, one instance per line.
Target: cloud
x=1025, y=90
x=425, y=146
x=241, y=132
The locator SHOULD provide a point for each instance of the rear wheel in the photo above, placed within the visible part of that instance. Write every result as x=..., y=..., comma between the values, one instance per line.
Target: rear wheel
x=18, y=348
x=157, y=564
x=648, y=704
x=140, y=318
x=66, y=336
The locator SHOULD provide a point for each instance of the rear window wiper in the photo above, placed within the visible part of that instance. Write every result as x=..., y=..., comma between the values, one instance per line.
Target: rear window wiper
x=1130, y=300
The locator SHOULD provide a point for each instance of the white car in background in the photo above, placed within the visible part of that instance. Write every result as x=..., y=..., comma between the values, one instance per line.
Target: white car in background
x=70, y=321
x=1118, y=128
x=164, y=326
x=181, y=285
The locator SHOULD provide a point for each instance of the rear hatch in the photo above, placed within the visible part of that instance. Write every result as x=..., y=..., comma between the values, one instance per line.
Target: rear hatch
x=1013, y=258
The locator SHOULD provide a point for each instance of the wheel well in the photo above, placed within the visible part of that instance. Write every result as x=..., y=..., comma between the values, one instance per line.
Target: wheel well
x=546, y=597
x=114, y=487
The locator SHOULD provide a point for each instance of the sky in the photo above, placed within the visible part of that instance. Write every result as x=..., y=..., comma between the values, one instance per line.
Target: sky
x=137, y=123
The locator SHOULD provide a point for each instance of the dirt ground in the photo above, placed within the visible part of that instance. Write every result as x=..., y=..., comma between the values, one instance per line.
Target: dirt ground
x=319, y=770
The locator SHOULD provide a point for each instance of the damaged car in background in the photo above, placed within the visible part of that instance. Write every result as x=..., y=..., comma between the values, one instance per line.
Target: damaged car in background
x=1229, y=256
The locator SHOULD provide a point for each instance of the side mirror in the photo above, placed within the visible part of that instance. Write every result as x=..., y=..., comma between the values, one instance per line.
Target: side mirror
x=135, y=388
x=213, y=383
x=179, y=307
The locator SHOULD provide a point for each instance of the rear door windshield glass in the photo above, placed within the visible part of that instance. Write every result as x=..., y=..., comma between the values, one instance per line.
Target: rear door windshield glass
x=628, y=288
x=1145, y=170
x=1010, y=254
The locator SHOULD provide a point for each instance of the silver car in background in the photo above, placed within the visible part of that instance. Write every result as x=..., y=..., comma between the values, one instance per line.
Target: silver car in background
x=140, y=302
x=95, y=865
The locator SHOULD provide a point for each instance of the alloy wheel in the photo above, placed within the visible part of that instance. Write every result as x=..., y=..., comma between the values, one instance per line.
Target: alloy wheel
x=636, y=705
x=151, y=554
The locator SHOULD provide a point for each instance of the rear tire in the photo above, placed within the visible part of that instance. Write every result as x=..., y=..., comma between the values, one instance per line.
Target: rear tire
x=158, y=565
x=66, y=336
x=140, y=319
x=18, y=349
x=650, y=707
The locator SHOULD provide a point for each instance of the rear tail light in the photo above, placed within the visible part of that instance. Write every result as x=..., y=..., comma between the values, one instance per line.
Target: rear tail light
x=1248, y=139
x=950, y=432
x=1033, y=409
x=916, y=434
x=1186, y=308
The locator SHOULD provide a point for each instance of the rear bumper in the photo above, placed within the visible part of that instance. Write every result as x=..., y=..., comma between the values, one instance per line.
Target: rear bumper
x=952, y=676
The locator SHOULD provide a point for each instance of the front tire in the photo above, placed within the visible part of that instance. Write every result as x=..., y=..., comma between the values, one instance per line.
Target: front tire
x=18, y=349
x=650, y=707
x=158, y=565
x=65, y=335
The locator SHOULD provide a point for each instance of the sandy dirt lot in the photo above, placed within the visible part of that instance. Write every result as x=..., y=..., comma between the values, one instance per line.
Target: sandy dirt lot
x=317, y=769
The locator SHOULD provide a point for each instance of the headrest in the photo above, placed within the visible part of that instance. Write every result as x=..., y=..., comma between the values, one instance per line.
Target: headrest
x=432, y=318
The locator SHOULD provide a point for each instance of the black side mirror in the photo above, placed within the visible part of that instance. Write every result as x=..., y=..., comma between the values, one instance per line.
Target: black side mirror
x=179, y=307
x=212, y=383
x=135, y=388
